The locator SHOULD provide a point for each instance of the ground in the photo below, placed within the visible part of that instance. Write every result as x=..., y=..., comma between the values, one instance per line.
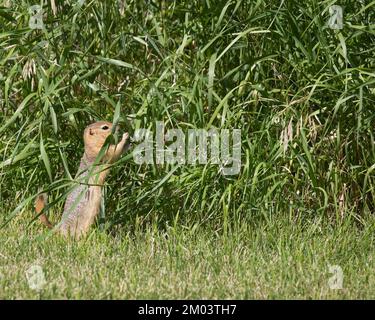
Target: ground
x=283, y=259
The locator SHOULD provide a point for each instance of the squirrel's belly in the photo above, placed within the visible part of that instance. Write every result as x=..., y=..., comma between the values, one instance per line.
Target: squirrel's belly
x=81, y=208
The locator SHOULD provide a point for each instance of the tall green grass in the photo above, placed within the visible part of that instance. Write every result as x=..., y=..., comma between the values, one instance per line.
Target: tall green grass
x=301, y=93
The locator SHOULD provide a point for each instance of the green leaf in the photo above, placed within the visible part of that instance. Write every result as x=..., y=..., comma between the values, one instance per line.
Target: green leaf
x=45, y=158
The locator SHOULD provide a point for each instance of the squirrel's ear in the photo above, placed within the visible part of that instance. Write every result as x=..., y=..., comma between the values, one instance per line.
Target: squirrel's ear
x=91, y=132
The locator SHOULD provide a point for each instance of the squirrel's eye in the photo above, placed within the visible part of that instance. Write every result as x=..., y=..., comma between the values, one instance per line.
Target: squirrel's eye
x=105, y=127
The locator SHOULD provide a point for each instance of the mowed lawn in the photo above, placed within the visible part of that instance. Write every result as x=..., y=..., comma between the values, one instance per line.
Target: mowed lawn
x=279, y=259
x=292, y=223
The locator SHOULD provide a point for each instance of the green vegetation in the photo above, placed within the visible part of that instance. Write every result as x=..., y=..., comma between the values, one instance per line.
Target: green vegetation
x=280, y=259
x=301, y=93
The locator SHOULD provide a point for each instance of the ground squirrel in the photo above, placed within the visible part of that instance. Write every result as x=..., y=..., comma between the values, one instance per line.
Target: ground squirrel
x=83, y=202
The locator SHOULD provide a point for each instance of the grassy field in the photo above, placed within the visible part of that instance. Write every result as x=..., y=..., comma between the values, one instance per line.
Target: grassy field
x=283, y=259
x=300, y=92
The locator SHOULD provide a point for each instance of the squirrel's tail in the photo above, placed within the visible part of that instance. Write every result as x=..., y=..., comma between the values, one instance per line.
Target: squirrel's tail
x=40, y=203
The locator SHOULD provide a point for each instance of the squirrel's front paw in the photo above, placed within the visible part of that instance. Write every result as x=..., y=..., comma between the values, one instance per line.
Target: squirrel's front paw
x=125, y=136
x=126, y=141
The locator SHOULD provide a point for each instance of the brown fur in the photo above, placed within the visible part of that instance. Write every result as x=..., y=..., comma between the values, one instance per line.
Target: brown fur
x=83, y=203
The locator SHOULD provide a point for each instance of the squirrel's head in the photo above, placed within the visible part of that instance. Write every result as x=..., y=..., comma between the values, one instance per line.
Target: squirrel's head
x=94, y=137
